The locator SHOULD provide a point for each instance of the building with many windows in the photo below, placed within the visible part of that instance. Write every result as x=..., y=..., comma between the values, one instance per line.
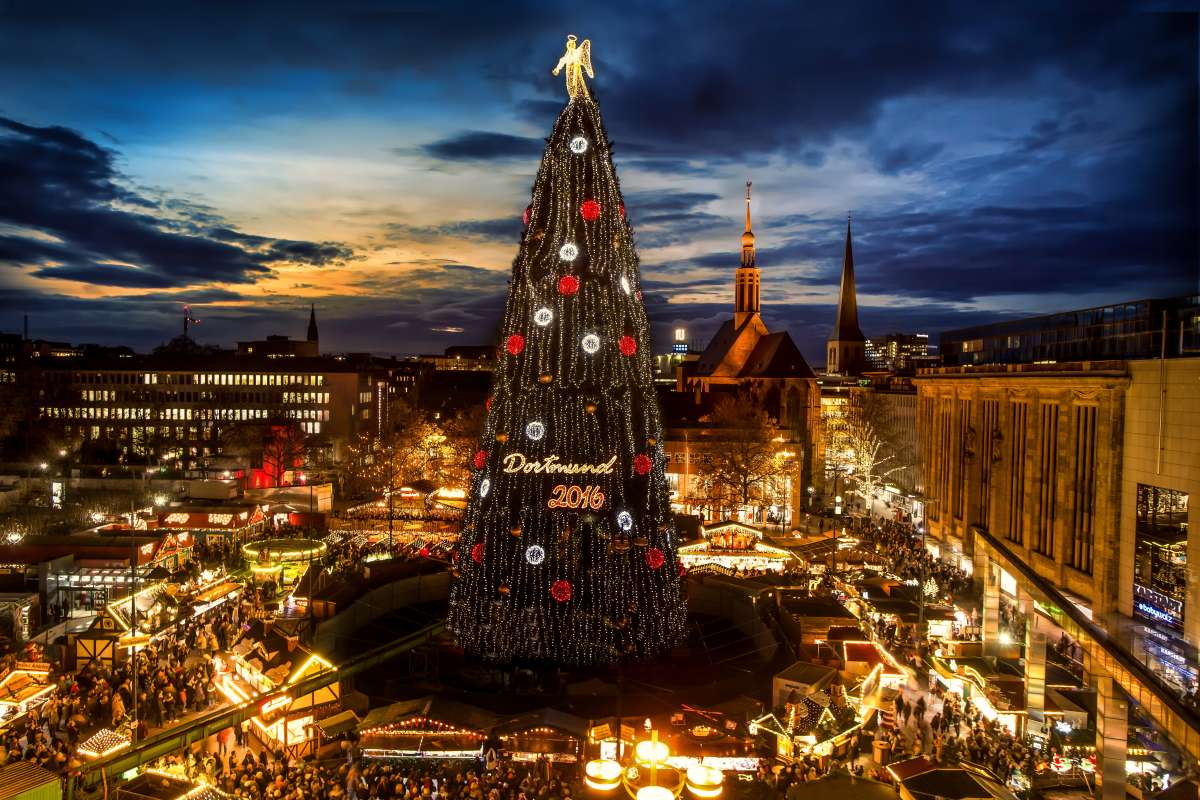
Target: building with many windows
x=1067, y=484
x=175, y=407
x=1139, y=329
x=898, y=352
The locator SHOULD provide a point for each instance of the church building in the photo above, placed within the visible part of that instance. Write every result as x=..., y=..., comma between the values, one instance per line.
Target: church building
x=745, y=355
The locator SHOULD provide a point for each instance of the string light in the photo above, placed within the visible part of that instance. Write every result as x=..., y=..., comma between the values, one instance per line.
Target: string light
x=543, y=316
x=535, y=431
x=586, y=602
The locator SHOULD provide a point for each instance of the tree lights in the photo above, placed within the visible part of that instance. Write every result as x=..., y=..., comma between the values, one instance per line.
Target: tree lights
x=570, y=471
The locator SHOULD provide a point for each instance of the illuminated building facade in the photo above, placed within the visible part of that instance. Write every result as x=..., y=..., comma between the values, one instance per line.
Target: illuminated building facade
x=171, y=409
x=898, y=352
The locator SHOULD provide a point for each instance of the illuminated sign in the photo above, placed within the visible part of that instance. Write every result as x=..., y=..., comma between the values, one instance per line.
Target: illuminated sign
x=220, y=519
x=563, y=496
x=1157, y=606
x=517, y=462
x=176, y=519
x=274, y=704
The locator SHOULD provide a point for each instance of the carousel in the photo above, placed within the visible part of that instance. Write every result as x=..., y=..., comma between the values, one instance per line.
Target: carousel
x=732, y=547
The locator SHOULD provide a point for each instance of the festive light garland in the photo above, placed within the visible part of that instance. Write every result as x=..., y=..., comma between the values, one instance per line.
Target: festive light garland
x=550, y=586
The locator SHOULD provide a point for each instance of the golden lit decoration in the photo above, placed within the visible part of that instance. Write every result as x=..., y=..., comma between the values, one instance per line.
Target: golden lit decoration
x=704, y=781
x=576, y=61
x=102, y=743
x=602, y=774
x=651, y=751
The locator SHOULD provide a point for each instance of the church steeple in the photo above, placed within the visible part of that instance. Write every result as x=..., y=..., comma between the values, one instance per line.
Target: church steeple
x=748, y=235
x=846, y=345
x=312, y=324
x=746, y=279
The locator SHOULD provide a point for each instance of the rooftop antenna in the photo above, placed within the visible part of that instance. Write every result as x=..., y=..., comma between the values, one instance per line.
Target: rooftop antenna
x=188, y=319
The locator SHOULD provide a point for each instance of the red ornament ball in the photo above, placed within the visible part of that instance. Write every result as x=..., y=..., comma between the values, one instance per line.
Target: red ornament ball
x=487, y=404
x=477, y=553
x=561, y=591
x=590, y=210
x=515, y=344
x=622, y=211
x=525, y=216
x=481, y=459
x=642, y=463
x=682, y=569
x=628, y=345
x=568, y=285
x=655, y=558
x=424, y=551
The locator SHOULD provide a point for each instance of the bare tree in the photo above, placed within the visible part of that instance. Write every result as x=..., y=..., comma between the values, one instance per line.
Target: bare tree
x=854, y=447
x=741, y=463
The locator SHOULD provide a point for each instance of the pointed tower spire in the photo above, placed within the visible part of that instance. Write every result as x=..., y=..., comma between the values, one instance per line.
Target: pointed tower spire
x=312, y=323
x=846, y=343
x=748, y=235
x=746, y=279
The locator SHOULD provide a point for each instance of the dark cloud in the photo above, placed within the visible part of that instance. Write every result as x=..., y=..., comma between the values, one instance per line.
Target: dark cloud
x=483, y=146
x=83, y=224
x=893, y=158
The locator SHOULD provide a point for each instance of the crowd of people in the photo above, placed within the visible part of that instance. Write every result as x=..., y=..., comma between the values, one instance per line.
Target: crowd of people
x=241, y=773
x=174, y=678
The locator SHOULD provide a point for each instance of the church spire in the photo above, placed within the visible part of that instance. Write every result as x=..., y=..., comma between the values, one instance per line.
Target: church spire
x=846, y=327
x=312, y=323
x=748, y=235
x=746, y=281
x=846, y=343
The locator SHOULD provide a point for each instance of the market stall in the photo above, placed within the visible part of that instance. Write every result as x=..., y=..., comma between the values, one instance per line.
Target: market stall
x=262, y=667
x=548, y=733
x=230, y=524
x=24, y=686
x=127, y=622
x=430, y=727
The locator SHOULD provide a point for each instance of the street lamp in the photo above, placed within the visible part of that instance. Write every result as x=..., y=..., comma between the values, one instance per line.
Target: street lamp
x=43, y=466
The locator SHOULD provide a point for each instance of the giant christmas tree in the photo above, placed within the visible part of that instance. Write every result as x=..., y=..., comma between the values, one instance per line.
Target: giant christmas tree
x=568, y=548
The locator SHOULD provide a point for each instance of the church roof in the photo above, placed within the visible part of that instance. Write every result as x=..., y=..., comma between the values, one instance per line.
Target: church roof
x=718, y=346
x=776, y=356
x=845, y=328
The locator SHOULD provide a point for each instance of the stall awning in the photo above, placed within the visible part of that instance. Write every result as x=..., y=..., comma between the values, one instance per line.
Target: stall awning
x=338, y=723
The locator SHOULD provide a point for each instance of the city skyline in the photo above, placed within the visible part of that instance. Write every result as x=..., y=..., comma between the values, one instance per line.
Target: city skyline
x=376, y=161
